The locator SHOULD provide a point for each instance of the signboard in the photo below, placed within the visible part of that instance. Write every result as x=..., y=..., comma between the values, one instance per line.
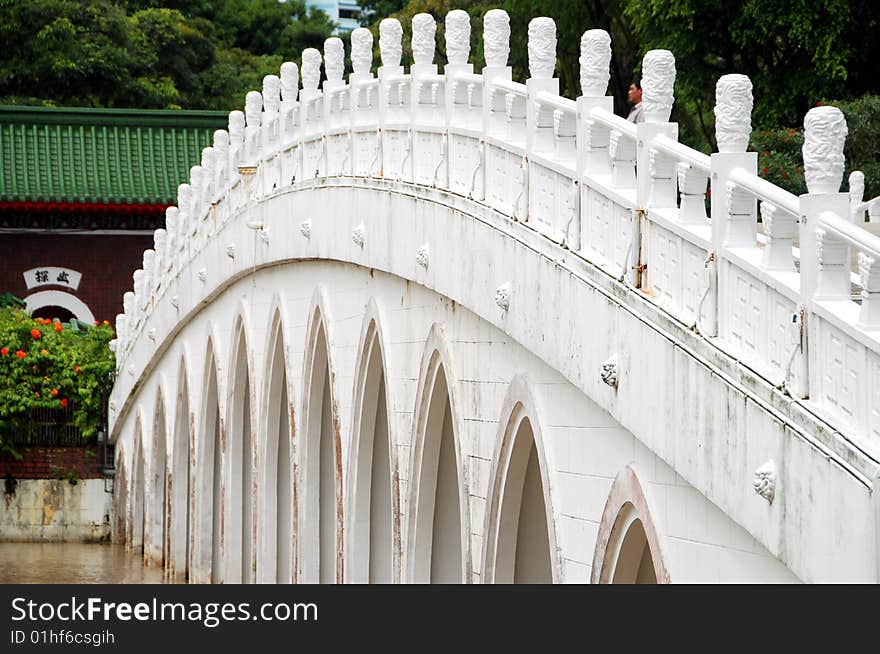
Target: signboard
x=52, y=276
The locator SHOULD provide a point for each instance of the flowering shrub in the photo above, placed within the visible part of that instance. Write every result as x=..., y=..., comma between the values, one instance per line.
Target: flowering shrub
x=780, y=160
x=49, y=365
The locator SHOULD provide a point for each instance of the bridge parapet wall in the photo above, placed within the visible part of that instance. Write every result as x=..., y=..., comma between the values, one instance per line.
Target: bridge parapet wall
x=626, y=198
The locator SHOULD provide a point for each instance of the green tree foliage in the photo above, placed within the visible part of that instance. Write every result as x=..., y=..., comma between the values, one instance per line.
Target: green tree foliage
x=45, y=365
x=795, y=52
x=149, y=53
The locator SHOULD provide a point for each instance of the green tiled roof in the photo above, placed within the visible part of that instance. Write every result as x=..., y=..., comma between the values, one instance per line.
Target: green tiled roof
x=114, y=156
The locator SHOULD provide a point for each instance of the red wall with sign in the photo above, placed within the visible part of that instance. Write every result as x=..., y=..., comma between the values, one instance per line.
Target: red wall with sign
x=106, y=263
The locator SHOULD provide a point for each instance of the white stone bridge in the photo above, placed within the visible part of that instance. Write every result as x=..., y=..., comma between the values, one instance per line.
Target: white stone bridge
x=455, y=328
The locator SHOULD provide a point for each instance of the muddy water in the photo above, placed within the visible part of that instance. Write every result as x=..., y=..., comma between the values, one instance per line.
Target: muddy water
x=73, y=563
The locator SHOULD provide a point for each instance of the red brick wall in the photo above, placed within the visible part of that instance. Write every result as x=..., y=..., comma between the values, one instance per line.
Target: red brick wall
x=42, y=462
x=105, y=261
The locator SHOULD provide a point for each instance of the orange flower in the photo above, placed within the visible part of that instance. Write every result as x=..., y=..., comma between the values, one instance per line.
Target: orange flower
x=58, y=327
x=106, y=322
x=54, y=392
x=64, y=402
x=4, y=351
x=20, y=354
x=35, y=333
x=97, y=322
x=44, y=351
x=76, y=369
x=37, y=393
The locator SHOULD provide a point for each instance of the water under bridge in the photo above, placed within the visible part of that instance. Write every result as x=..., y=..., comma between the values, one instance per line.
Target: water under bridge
x=452, y=327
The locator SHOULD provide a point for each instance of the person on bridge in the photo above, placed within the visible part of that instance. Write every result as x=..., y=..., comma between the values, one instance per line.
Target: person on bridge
x=635, y=97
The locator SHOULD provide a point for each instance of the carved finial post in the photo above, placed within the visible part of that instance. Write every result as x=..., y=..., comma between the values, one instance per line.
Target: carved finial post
x=361, y=54
x=657, y=175
x=734, y=211
x=458, y=37
x=253, y=111
x=160, y=240
x=289, y=95
x=289, y=85
x=311, y=74
x=184, y=196
x=334, y=63
x=236, y=141
x=424, y=32
x=496, y=49
x=208, y=173
x=390, y=43
x=221, y=159
x=458, y=49
x=592, y=137
x=542, y=64
x=271, y=95
x=171, y=238
x=733, y=113
x=196, y=174
x=825, y=262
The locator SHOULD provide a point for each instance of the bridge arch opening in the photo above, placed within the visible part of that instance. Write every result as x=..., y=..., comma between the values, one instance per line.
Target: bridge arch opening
x=120, y=499
x=180, y=479
x=520, y=540
x=371, y=488
x=628, y=548
x=438, y=526
x=239, y=504
x=138, y=490
x=319, y=531
x=207, y=530
x=277, y=512
x=155, y=534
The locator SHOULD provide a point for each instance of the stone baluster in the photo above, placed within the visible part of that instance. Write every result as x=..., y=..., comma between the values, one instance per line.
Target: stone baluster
x=779, y=228
x=734, y=214
x=542, y=64
x=656, y=183
x=856, y=196
x=622, y=151
x=869, y=276
x=593, y=138
x=824, y=261
x=692, y=185
x=253, y=112
x=564, y=133
x=496, y=49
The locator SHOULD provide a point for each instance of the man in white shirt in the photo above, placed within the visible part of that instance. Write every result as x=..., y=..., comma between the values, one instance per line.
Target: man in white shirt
x=635, y=97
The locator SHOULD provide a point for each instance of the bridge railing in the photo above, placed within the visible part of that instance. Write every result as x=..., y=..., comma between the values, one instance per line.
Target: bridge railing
x=629, y=198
